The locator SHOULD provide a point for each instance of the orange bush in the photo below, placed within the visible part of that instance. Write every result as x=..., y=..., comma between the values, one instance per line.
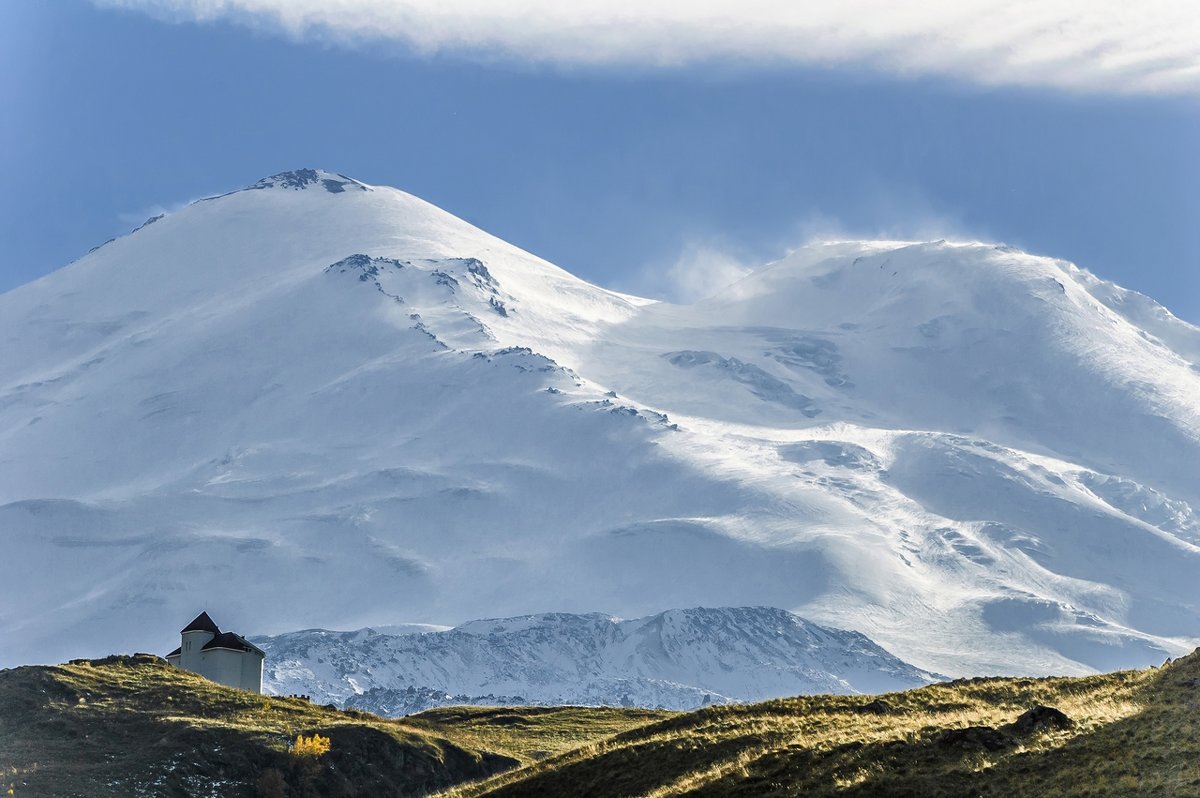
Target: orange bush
x=313, y=746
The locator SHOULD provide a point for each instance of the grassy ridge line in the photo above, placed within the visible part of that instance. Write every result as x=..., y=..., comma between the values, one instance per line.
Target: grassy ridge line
x=135, y=726
x=1132, y=733
x=531, y=734
x=132, y=726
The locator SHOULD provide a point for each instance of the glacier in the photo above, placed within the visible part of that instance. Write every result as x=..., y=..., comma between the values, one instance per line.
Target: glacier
x=317, y=402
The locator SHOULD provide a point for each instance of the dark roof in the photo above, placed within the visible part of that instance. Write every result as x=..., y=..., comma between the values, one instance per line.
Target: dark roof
x=202, y=624
x=234, y=641
x=176, y=652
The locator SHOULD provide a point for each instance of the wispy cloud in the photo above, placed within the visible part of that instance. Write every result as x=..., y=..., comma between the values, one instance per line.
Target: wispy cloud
x=1151, y=46
x=706, y=265
x=893, y=214
x=700, y=270
x=140, y=217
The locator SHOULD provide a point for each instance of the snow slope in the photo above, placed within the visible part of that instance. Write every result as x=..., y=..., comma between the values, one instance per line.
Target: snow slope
x=321, y=403
x=679, y=659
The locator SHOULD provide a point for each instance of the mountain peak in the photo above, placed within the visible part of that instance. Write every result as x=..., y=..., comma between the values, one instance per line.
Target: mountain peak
x=300, y=179
x=933, y=444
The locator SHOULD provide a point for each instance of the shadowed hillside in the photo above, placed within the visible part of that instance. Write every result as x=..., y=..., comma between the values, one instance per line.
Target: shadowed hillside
x=134, y=726
x=1131, y=733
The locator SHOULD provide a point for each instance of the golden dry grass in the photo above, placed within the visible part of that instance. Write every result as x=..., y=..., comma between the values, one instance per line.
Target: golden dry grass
x=136, y=726
x=530, y=734
x=139, y=727
x=1134, y=733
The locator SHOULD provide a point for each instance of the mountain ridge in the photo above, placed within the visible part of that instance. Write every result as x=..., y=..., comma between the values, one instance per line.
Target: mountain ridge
x=972, y=455
x=676, y=659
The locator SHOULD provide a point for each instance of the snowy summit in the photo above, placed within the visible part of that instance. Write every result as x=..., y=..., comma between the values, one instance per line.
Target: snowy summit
x=334, y=404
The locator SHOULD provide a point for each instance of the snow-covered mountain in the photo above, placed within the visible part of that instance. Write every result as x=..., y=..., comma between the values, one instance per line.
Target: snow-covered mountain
x=679, y=659
x=319, y=403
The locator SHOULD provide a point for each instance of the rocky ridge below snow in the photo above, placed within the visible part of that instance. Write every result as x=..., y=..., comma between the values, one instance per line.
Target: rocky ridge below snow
x=679, y=659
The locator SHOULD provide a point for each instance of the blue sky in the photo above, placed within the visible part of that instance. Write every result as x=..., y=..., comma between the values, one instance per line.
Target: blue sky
x=631, y=172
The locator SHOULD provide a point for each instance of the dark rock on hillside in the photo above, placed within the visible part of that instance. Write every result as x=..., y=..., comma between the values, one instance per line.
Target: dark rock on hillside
x=1041, y=718
x=876, y=707
x=983, y=738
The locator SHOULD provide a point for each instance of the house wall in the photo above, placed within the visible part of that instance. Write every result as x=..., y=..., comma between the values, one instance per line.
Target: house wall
x=252, y=670
x=222, y=666
x=190, y=655
x=241, y=669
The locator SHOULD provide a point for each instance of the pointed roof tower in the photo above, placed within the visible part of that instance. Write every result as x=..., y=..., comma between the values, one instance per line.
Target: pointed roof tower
x=203, y=623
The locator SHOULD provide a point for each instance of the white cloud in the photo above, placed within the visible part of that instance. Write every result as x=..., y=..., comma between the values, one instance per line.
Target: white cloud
x=1150, y=46
x=140, y=217
x=891, y=214
x=705, y=266
x=699, y=272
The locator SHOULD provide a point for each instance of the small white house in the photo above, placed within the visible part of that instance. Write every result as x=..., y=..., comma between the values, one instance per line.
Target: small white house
x=223, y=657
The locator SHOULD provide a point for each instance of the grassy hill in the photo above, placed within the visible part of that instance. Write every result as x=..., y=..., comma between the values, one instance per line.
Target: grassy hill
x=134, y=726
x=1131, y=733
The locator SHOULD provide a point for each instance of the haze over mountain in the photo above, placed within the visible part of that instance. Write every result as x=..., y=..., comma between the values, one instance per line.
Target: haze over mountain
x=317, y=402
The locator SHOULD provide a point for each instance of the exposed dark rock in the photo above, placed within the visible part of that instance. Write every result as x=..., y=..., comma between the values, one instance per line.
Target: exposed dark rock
x=761, y=384
x=122, y=659
x=369, y=270
x=876, y=707
x=298, y=179
x=442, y=278
x=366, y=266
x=983, y=738
x=149, y=222
x=1041, y=718
x=483, y=278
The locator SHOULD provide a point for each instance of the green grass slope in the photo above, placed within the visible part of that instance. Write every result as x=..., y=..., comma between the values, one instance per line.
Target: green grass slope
x=1132, y=733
